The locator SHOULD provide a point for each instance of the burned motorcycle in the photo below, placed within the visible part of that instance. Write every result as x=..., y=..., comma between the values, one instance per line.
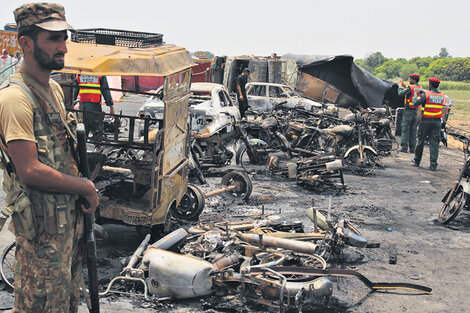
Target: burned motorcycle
x=268, y=128
x=305, y=140
x=211, y=145
x=384, y=141
x=457, y=198
x=353, y=143
x=262, y=135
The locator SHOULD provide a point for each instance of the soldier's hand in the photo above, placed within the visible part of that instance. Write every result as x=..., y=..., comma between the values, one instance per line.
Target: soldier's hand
x=91, y=196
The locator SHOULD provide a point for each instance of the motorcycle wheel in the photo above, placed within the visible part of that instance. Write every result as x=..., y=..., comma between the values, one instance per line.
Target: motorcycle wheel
x=190, y=206
x=310, y=143
x=451, y=210
x=7, y=269
x=248, y=165
x=361, y=167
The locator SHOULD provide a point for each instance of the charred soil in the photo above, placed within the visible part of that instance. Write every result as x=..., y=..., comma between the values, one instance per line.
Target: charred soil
x=397, y=207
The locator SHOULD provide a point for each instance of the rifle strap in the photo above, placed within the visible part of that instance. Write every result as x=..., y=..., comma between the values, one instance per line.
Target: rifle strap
x=6, y=160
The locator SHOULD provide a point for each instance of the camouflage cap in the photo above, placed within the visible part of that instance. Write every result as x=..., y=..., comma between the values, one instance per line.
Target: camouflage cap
x=48, y=16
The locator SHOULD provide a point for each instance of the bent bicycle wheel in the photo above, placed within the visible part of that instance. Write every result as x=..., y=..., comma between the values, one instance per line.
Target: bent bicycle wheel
x=7, y=269
x=451, y=210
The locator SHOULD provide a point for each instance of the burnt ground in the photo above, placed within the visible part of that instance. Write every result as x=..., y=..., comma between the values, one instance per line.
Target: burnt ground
x=398, y=205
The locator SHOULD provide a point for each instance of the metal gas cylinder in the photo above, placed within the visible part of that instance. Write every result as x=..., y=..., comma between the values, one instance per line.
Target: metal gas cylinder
x=177, y=275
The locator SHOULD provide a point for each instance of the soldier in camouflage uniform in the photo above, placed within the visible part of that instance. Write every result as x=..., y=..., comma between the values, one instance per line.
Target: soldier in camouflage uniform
x=40, y=172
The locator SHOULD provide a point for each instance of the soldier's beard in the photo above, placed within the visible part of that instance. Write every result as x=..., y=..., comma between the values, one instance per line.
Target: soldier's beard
x=45, y=61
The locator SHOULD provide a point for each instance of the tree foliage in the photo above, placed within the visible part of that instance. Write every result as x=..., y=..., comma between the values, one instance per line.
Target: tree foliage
x=443, y=53
x=407, y=69
x=374, y=60
x=443, y=66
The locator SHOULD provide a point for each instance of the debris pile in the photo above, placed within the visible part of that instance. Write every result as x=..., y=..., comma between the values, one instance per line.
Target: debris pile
x=264, y=259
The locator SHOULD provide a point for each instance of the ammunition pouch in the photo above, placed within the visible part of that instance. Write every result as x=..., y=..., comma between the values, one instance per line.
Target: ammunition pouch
x=34, y=212
x=42, y=213
x=23, y=218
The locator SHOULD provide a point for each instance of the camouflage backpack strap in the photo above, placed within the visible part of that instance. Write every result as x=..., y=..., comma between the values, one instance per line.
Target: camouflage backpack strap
x=47, y=96
x=16, y=80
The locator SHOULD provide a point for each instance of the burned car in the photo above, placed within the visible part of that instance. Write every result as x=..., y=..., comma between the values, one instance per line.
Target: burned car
x=263, y=97
x=207, y=102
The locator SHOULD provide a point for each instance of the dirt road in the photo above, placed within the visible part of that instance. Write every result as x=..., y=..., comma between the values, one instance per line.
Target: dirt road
x=398, y=205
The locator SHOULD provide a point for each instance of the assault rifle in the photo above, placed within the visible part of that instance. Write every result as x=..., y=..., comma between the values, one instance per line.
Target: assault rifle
x=89, y=229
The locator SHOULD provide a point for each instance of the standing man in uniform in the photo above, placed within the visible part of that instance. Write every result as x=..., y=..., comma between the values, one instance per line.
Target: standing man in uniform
x=242, y=79
x=40, y=172
x=432, y=102
x=91, y=101
x=409, y=122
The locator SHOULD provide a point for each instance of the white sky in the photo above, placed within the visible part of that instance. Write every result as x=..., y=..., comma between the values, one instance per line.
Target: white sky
x=395, y=28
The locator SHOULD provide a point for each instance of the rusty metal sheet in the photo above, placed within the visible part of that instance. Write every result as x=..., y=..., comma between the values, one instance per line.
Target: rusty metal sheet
x=172, y=190
x=176, y=97
x=174, y=163
x=311, y=86
x=321, y=91
x=116, y=61
x=331, y=95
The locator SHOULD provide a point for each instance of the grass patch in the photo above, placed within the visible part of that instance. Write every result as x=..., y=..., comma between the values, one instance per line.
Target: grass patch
x=460, y=111
x=450, y=85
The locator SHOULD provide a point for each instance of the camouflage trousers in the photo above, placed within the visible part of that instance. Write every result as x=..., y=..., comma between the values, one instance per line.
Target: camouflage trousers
x=48, y=272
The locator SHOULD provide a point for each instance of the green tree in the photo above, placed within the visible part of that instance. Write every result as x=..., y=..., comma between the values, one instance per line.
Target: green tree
x=374, y=60
x=408, y=69
x=422, y=63
x=443, y=53
x=436, y=68
x=390, y=68
x=457, y=69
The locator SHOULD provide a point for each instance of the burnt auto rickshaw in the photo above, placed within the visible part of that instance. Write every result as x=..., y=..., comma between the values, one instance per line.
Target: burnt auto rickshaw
x=142, y=180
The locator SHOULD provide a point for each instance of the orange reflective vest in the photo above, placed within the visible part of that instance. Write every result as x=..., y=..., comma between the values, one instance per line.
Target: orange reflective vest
x=435, y=101
x=414, y=91
x=87, y=94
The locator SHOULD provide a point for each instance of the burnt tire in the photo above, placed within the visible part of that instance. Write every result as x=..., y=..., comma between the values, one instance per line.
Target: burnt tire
x=359, y=166
x=7, y=269
x=190, y=206
x=451, y=210
x=243, y=183
x=250, y=166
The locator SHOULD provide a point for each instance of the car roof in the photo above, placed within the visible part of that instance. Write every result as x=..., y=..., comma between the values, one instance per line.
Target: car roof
x=205, y=87
x=270, y=84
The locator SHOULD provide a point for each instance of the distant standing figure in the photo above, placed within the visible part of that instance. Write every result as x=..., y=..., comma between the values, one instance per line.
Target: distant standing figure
x=432, y=101
x=91, y=101
x=409, y=122
x=242, y=79
x=17, y=60
x=6, y=68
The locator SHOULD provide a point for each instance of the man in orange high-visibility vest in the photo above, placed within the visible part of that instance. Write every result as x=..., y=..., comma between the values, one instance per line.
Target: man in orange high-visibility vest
x=410, y=113
x=432, y=101
x=90, y=89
